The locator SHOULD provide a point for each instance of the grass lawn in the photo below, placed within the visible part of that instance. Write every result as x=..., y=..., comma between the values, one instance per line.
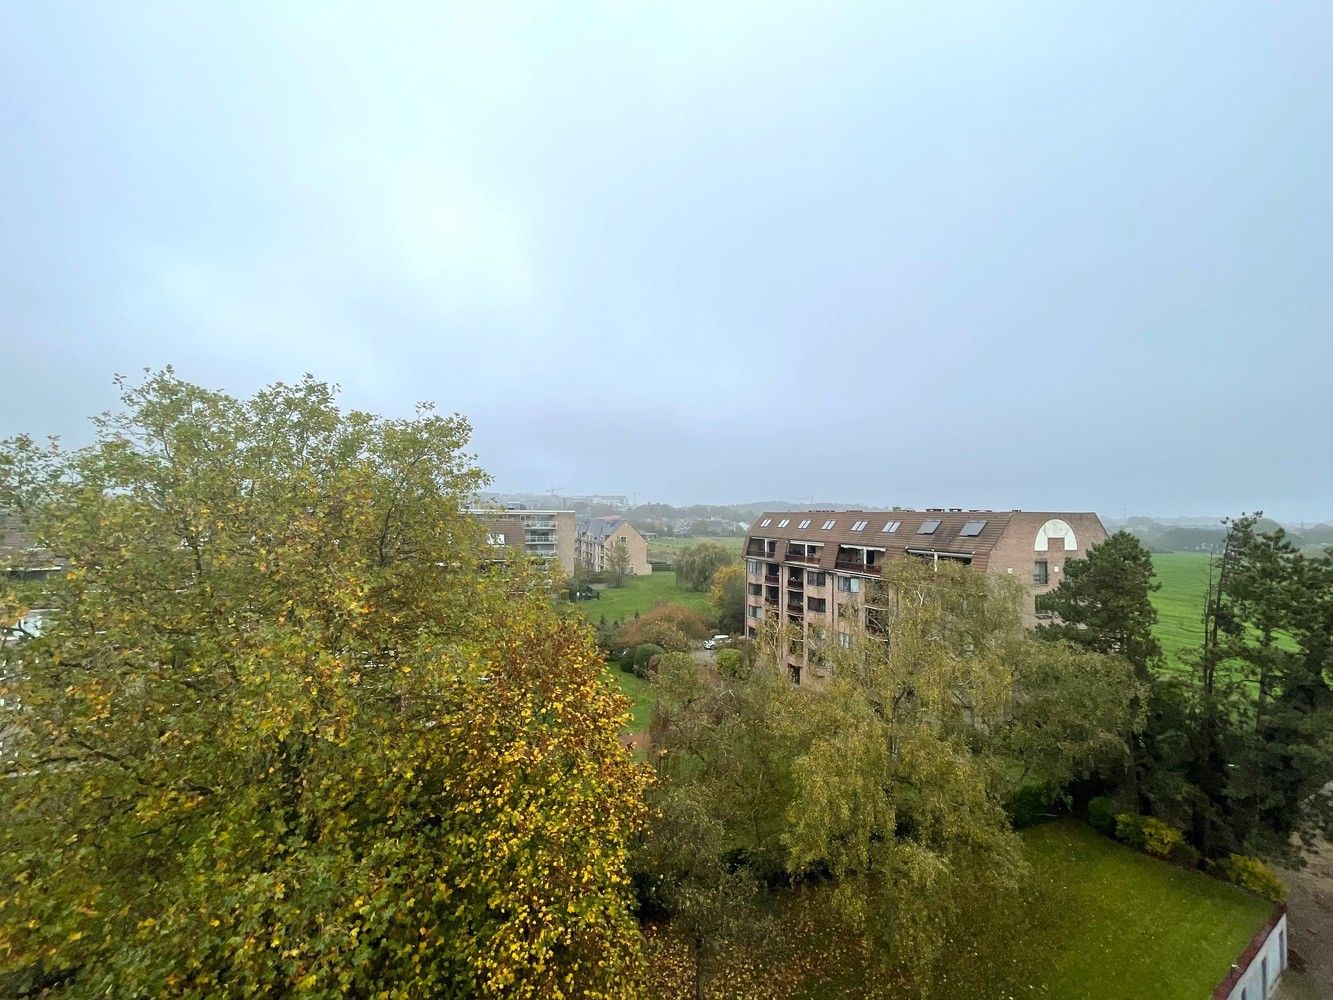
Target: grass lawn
x=1179, y=604
x=640, y=694
x=666, y=549
x=641, y=593
x=1136, y=927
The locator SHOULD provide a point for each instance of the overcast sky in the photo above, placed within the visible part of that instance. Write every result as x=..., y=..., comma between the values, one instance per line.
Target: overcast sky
x=1042, y=256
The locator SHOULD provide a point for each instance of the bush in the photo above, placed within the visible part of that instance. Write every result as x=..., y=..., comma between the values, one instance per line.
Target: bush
x=1029, y=804
x=1129, y=830
x=1251, y=873
x=645, y=652
x=1101, y=816
x=730, y=663
x=1183, y=854
x=1147, y=834
x=687, y=620
x=666, y=635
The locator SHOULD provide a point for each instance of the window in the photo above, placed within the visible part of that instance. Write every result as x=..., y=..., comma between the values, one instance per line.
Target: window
x=892, y=526
x=753, y=566
x=928, y=527
x=751, y=632
x=765, y=522
x=972, y=529
x=842, y=584
x=854, y=585
x=860, y=525
x=816, y=604
x=756, y=612
x=1040, y=574
x=844, y=640
x=830, y=523
x=496, y=538
x=755, y=589
x=814, y=578
x=784, y=522
x=804, y=524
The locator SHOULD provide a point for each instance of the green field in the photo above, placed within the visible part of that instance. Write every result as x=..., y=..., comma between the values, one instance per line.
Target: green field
x=666, y=549
x=1136, y=927
x=639, y=594
x=1179, y=602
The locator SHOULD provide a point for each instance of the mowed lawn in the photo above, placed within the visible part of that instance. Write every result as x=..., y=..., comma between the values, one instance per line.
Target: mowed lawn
x=640, y=694
x=1179, y=602
x=1136, y=927
x=641, y=593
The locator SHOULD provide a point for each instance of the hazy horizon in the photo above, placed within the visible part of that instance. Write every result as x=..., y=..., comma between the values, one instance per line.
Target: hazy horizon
x=1037, y=257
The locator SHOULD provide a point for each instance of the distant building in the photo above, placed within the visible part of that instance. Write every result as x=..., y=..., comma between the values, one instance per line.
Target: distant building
x=813, y=567
x=597, y=536
x=545, y=535
x=21, y=558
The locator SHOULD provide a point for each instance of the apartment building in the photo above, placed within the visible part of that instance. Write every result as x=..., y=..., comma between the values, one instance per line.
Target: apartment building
x=546, y=535
x=597, y=536
x=814, y=567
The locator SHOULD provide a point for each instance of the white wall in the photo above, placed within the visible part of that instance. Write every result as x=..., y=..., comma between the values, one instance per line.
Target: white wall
x=1250, y=986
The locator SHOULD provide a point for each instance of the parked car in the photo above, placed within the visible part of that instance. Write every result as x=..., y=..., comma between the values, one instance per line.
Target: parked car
x=713, y=642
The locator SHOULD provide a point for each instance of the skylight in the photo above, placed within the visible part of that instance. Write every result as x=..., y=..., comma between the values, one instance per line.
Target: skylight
x=928, y=527
x=804, y=524
x=829, y=523
x=765, y=522
x=784, y=522
x=860, y=525
x=972, y=528
x=892, y=526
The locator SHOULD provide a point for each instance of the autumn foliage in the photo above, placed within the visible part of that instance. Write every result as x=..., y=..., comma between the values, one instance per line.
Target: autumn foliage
x=284, y=732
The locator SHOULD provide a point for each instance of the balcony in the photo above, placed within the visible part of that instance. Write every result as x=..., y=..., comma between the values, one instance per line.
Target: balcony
x=857, y=566
x=795, y=607
x=755, y=550
x=797, y=556
x=771, y=599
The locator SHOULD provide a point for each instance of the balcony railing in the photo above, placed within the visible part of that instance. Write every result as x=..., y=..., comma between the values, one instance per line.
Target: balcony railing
x=802, y=557
x=795, y=608
x=856, y=566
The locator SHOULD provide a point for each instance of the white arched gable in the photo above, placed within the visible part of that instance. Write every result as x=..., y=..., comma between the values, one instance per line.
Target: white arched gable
x=1055, y=529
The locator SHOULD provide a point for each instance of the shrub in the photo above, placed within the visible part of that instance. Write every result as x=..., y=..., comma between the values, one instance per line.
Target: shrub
x=1159, y=837
x=1183, y=854
x=1101, y=816
x=1129, y=830
x=689, y=621
x=1251, y=873
x=645, y=652
x=1027, y=805
x=666, y=635
x=730, y=663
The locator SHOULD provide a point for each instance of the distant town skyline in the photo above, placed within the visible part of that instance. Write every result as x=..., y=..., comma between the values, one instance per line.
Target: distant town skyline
x=997, y=256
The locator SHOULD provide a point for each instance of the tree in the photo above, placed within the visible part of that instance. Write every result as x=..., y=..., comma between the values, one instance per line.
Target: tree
x=266, y=742
x=617, y=563
x=888, y=783
x=1103, y=603
x=696, y=565
x=728, y=595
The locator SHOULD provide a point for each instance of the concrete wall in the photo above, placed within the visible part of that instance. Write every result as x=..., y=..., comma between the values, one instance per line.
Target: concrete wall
x=1260, y=966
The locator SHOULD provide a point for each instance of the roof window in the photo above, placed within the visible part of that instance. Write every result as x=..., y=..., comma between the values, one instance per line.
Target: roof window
x=804, y=524
x=972, y=528
x=892, y=526
x=829, y=523
x=860, y=525
x=784, y=522
x=928, y=527
x=765, y=522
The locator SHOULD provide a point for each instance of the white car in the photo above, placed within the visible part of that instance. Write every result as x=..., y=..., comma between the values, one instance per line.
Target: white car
x=712, y=643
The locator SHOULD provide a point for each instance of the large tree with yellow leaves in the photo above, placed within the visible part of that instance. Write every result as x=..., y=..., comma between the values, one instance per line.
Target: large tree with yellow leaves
x=284, y=732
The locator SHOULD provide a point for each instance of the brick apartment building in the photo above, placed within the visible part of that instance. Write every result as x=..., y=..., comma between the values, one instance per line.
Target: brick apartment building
x=808, y=566
x=597, y=536
x=545, y=535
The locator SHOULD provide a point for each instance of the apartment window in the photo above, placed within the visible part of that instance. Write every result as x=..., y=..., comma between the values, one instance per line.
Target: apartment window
x=972, y=529
x=784, y=522
x=860, y=525
x=1040, y=573
x=755, y=589
x=849, y=584
x=928, y=527
x=814, y=578
x=496, y=538
x=892, y=526
x=765, y=522
x=804, y=524
x=756, y=612
x=753, y=566
x=816, y=604
x=844, y=640
x=830, y=523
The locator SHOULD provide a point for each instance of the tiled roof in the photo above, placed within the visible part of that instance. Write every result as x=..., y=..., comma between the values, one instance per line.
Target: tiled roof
x=983, y=527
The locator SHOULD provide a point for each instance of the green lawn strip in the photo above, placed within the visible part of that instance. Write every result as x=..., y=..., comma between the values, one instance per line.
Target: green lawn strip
x=640, y=694
x=640, y=594
x=1135, y=926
